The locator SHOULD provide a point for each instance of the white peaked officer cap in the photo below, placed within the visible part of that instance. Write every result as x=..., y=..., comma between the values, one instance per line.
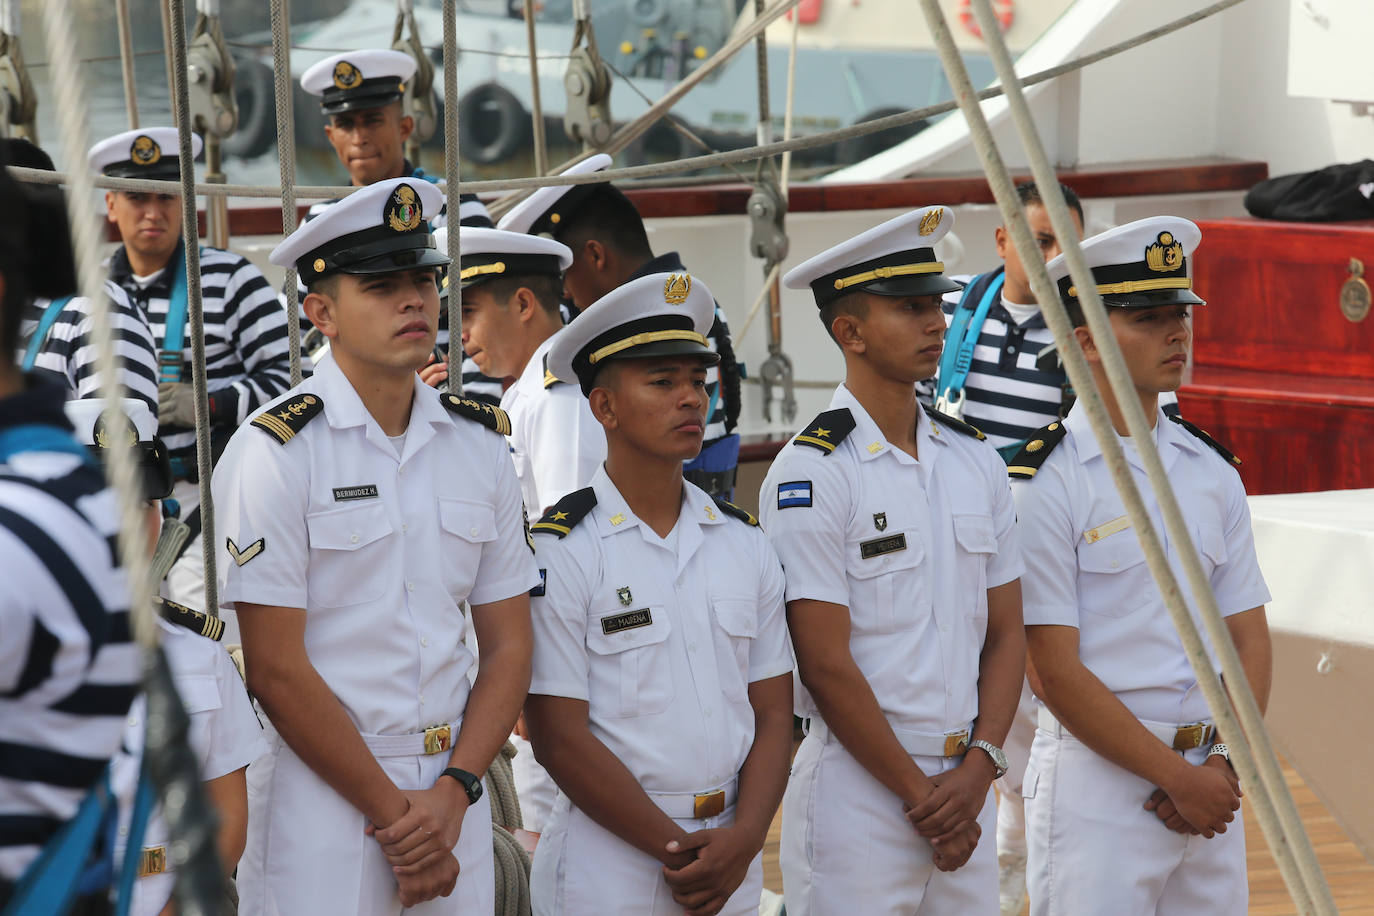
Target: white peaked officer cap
x=375, y=230
x=490, y=254
x=542, y=211
x=896, y=258
x=664, y=314
x=1138, y=265
x=134, y=426
x=151, y=152
x=359, y=79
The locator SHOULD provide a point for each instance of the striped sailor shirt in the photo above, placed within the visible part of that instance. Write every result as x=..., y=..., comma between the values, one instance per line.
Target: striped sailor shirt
x=69, y=355
x=68, y=667
x=247, y=363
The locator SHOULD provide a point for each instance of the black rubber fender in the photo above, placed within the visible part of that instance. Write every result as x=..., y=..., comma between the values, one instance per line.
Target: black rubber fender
x=256, y=98
x=492, y=124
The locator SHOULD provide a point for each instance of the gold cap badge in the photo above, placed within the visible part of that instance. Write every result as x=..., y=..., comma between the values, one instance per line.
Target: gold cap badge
x=931, y=221
x=145, y=150
x=346, y=76
x=403, y=211
x=676, y=288
x=114, y=428
x=1165, y=255
x=318, y=265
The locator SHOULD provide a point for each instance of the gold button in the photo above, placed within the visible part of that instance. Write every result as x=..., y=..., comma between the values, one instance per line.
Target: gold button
x=318, y=265
x=555, y=218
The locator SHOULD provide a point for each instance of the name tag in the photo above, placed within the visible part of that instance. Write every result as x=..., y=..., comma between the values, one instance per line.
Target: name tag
x=627, y=621
x=879, y=546
x=1093, y=535
x=364, y=491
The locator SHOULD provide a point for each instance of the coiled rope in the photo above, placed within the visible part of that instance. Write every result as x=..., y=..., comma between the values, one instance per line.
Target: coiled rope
x=512, y=862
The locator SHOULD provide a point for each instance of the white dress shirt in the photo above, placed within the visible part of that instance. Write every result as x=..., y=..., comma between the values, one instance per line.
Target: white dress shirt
x=909, y=546
x=1085, y=567
x=662, y=639
x=556, y=443
x=380, y=550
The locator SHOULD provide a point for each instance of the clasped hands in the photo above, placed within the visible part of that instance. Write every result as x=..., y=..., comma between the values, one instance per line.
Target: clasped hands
x=948, y=815
x=419, y=844
x=1202, y=802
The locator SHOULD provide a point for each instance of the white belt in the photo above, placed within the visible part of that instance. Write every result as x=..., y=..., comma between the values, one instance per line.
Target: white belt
x=434, y=740
x=917, y=744
x=697, y=805
x=1177, y=737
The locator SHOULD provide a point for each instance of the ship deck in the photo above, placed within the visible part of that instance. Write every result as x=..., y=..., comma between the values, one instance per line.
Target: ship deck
x=1350, y=875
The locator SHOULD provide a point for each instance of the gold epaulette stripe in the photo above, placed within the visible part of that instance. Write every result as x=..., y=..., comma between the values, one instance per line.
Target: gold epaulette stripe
x=820, y=443
x=274, y=426
x=1022, y=471
x=550, y=526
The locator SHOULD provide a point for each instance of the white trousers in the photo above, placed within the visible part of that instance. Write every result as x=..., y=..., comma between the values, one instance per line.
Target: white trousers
x=1092, y=841
x=582, y=869
x=533, y=786
x=307, y=854
x=1011, y=808
x=847, y=848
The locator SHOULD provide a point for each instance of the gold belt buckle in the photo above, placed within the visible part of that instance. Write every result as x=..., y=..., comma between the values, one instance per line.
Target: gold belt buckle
x=1189, y=736
x=153, y=861
x=709, y=804
x=438, y=738
x=956, y=744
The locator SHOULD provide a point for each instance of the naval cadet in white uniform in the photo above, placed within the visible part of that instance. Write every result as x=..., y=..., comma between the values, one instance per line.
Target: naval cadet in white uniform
x=357, y=515
x=661, y=694
x=1130, y=796
x=896, y=527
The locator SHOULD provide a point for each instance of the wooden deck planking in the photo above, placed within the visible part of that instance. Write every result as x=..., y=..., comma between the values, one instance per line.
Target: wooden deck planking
x=1349, y=874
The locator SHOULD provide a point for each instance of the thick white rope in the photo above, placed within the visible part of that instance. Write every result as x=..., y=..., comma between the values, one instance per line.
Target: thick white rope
x=791, y=96
x=11, y=17
x=164, y=12
x=286, y=164
x=126, y=61
x=762, y=297
x=190, y=235
x=69, y=100
x=541, y=150
x=451, y=172
x=1255, y=757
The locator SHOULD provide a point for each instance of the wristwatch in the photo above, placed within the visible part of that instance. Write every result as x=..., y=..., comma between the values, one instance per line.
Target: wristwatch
x=1220, y=750
x=999, y=759
x=471, y=784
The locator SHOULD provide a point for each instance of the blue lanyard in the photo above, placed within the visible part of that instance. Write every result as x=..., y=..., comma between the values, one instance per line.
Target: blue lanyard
x=965, y=327
x=40, y=333
x=174, y=337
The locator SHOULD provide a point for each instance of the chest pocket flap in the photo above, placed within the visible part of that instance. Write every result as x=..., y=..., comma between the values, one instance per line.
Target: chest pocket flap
x=348, y=529
x=974, y=533
x=633, y=675
x=1112, y=554
x=737, y=616
x=198, y=692
x=474, y=522
x=887, y=552
x=1210, y=541
x=625, y=634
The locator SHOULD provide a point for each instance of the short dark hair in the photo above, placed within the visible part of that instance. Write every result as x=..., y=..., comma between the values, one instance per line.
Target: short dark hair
x=36, y=257
x=609, y=217
x=1030, y=194
x=547, y=289
x=327, y=285
x=854, y=304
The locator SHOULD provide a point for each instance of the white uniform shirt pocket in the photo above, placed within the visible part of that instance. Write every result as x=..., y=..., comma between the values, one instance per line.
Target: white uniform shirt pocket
x=466, y=527
x=347, y=548
x=1113, y=580
x=736, y=626
x=977, y=544
x=629, y=672
x=887, y=591
x=1210, y=541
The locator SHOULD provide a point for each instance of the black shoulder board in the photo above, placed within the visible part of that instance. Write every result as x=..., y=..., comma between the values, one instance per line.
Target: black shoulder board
x=549, y=378
x=490, y=417
x=730, y=508
x=1202, y=434
x=953, y=423
x=195, y=621
x=564, y=515
x=828, y=430
x=282, y=421
x=1037, y=448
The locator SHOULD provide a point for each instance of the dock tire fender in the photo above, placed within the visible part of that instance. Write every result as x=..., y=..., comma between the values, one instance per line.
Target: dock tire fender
x=256, y=97
x=492, y=124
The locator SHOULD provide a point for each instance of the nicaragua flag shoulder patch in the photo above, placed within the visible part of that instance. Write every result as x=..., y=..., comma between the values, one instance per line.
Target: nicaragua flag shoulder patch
x=794, y=494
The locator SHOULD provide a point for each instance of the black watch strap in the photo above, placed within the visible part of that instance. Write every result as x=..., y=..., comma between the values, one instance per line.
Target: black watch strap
x=471, y=784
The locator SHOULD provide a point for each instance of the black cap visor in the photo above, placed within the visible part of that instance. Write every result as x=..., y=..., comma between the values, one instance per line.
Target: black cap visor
x=391, y=262
x=373, y=93
x=166, y=169
x=1153, y=298
x=708, y=357
x=918, y=285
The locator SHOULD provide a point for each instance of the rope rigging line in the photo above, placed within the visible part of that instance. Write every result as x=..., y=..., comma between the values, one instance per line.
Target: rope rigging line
x=126, y=61
x=451, y=172
x=657, y=169
x=541, y=150
x=286, y=163
x=199, y=878
x=1119, y=380
x=1256, y=758
x=194, y=306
